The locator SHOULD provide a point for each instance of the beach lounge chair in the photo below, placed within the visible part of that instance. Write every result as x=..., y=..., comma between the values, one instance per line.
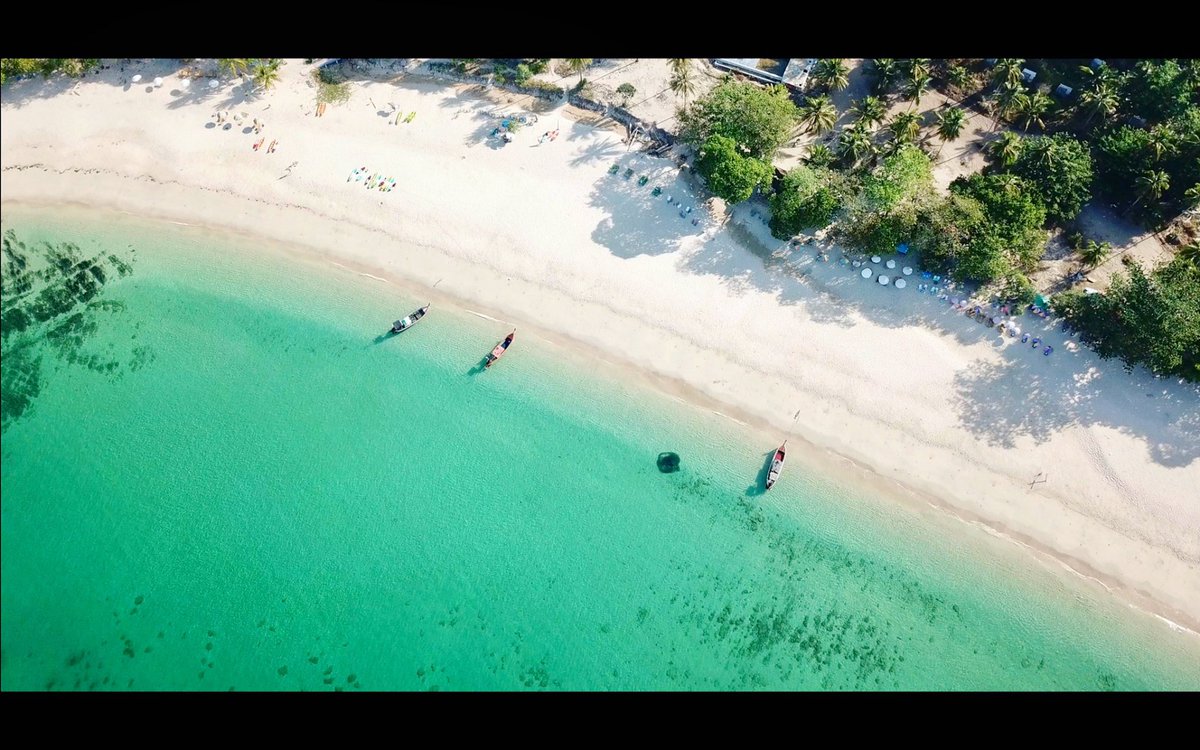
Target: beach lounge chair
x=614, y=169
x=643, y=180
x=1035, y=342
x=1047, y=350
x=629, y=173
x=656, y=192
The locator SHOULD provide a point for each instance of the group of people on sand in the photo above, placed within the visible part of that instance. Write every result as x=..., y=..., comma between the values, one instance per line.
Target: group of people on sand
x=373, y=180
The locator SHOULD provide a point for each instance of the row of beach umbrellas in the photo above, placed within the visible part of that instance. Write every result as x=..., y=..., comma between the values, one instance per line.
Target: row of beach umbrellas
x=185, y=83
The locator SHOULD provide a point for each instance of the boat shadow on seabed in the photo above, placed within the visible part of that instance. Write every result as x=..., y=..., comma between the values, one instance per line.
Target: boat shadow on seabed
x=479, y=367
x=760, y=482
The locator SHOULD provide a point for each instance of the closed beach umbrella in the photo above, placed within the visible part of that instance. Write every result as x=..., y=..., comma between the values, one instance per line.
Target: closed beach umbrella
x=891, y=264
x=901, y=283
x=157, y=82
x=213, y=83
x=136, y=78
x=908, y=271
x=866, y=273
x=875, y=259
x=883, y=279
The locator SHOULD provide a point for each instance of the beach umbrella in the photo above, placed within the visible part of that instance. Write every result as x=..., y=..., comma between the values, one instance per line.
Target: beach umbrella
x=866, y=273
x=891, y=263
x=883, y=280
x=875, y=259
x=213, y=83
x=157, y=82
x=186, y=82
x=136, y=78
x=901, y=283
x=908, y=271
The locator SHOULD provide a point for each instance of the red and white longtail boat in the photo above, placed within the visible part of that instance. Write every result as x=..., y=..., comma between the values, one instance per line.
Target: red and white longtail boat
x=502, y=347
x=776, y=465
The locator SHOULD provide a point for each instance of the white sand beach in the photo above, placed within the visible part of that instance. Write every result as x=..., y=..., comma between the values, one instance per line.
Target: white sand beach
x=1065, y=453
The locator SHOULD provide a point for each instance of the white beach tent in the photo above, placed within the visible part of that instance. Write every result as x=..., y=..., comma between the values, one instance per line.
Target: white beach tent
x=901, y=283
x=136, y=78
x=883, y=279
x=213, y=83
x=866, y=273
x=158, y=82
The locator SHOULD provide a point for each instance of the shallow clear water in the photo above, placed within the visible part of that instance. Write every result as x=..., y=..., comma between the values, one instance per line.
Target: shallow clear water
x=215, y=476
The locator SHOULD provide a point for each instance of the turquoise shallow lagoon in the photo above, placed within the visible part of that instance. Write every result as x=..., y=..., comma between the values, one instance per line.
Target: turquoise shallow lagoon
x=216, y=476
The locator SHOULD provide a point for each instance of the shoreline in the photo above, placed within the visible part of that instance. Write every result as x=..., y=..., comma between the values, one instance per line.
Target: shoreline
x=829, y=462
x=1095, y=524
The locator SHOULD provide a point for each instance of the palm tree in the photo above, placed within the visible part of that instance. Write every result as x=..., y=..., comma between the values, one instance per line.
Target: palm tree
x=885, y=70
x=266, y=74
x=870, y=110
x=1100, y=99
x=1192, y=196
x=1006, y=148
x=1162, y=141
x=683, y=84
x=233, y=65
x=950, y=125
x=1153, y=182
x=905, y=127
x=1004, y=101
x=578, y=65
x=916, y=86
x=958, y=76
x=1008, y=70
x=818, y=114
x=855, y=144
x=1032, y=108
x=1094, y=253
x=917, y=67
x=1191, y=252
x=1045, y=151
x=819, y=155
x=679, y=64
x=832, y=74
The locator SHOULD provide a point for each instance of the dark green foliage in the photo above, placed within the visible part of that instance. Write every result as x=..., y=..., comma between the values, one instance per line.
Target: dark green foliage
x=1059, y=169
x=757, y=119
x=1124, y=154
x=731, y=174
x=521, y=74
x=1014, y=216
x=626, y=90
x=887, y=209
x=945, y=231
x=1151, y=319
x=806, y=197
x=11, y=67
x=1157, y=90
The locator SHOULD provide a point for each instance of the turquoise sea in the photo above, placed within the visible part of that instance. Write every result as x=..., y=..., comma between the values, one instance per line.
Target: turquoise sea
x=216, y=476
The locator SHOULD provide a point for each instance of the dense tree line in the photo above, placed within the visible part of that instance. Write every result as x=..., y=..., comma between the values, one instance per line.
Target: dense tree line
x=14, y=67
x=1151, y=319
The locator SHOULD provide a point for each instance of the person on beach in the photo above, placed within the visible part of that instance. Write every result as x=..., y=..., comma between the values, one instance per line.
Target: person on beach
x=271, y=148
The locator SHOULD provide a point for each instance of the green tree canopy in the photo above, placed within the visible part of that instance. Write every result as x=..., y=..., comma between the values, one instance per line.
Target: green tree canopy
x=731, y=174
x=759, y=119
x=906, y=175
x=1059, y=168
x=1150, y=319
x=806, y=197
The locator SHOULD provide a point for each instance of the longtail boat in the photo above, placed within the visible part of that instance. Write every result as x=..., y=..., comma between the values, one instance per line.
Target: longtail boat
x=776, y=465
x=406, y=323
x=502, y=347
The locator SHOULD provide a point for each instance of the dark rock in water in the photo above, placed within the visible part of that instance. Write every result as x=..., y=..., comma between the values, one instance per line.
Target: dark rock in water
x=668, y=462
